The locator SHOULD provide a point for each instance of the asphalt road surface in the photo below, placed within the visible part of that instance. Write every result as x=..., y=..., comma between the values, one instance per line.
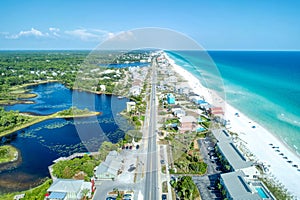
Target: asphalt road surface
x=151, y=181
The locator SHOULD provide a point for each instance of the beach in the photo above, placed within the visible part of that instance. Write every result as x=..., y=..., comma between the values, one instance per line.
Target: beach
x=255, y=139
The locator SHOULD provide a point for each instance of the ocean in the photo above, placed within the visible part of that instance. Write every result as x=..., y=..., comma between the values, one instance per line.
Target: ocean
x=264, y=85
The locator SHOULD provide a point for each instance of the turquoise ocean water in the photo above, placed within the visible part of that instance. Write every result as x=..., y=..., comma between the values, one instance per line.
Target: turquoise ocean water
x=264, y=85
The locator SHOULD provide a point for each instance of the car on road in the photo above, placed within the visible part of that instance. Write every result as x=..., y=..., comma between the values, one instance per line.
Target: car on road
x=111, y=198
x=164, y=197
x=127, y=197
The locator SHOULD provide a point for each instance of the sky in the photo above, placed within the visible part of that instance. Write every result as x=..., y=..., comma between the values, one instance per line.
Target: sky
x=214, y=25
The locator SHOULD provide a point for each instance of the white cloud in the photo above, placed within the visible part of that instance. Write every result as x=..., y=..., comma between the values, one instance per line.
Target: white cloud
x=89, y=34
x=53, y=29
x=32, y=32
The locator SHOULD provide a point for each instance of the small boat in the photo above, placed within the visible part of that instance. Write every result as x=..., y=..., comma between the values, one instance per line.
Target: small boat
x=121, y=97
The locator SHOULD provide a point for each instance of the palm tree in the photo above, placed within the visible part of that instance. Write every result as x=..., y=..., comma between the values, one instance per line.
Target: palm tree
x=84, y=193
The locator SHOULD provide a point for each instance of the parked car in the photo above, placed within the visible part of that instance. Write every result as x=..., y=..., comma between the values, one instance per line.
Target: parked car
x=162, y=162
x=164, y=197
x=211, y=188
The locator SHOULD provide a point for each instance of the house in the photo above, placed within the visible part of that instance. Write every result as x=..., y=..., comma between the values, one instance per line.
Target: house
x=194, y=98
x=179, y=113
x=187, y=123
x=110, y=168
x=171, y=79
x=130, y=106
x=135, y=90
x=68, y=189
x=216, y=111
x=102, y=88
x=170, y=99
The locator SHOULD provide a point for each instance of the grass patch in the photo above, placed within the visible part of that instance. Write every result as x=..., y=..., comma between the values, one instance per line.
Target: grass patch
x=12, y=121
x=163, y=169
x=8, y=153
x=279, y=192
x=165, y=187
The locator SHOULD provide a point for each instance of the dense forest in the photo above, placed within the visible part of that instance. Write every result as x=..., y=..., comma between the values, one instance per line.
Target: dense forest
x=23, y=67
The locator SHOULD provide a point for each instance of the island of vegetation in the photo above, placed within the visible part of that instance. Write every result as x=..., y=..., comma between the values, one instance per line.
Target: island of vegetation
x=11, y=121
x=8, y=153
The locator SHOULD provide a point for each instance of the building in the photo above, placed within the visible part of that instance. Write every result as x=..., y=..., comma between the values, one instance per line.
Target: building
x=135, y=90
x=102, y=88
x=238, y=186
x=216, y=111
x=170, y=99
x=130, y=106
x=110, y=168
x=234, y=157
x=187, y=123
x=171, y=79
x=241, y=182
x=179, y=113
x=68, y=189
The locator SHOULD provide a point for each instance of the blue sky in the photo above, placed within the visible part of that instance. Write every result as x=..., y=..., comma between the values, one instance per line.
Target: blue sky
x=74, y=24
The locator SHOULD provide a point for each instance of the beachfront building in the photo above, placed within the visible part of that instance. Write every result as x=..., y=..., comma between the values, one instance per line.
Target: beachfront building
x=216, y=111
x=130, y=106
x=241, y=182
x=187, y=124
x=110, y=168
x=232, y=156
x=170, y=98
x=68, y=189
x=238, y=185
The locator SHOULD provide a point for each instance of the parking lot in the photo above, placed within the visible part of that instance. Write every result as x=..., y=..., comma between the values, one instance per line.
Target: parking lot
x=207, y=184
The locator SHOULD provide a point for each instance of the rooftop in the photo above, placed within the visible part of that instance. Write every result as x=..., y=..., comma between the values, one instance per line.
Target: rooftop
x=237, y=187
x=186, y=119
x=65, y=185
x=233, y=155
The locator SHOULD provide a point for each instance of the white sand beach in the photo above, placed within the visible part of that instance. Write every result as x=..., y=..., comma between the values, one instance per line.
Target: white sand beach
x=259, y=141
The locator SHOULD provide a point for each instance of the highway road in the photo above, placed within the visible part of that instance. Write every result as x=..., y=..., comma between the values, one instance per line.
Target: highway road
x=151, y=180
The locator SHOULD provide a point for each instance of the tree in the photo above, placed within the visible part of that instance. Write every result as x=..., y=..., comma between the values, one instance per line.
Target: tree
x=84, y=193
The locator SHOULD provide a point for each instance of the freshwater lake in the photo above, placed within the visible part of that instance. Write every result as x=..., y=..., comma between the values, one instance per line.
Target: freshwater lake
x=44, y=142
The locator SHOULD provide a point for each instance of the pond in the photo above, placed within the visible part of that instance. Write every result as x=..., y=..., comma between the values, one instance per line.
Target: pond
x=44, y=142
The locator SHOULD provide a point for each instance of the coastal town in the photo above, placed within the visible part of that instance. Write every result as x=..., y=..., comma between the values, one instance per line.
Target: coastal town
x=179, y=137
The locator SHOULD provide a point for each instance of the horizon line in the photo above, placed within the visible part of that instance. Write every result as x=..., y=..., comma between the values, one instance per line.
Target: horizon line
x=73, y=49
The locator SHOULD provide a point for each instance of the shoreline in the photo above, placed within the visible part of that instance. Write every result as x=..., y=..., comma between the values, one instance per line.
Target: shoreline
x=257, y=140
